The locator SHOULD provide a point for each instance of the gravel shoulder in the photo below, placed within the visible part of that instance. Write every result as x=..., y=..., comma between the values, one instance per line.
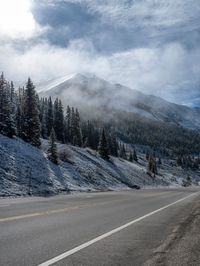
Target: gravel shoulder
x=182, y=247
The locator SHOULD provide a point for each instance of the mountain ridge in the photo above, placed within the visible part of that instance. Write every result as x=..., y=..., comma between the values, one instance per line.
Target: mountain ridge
x=89, y=91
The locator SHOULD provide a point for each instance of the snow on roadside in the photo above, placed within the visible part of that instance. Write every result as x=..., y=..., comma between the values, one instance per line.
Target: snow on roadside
x=21, y=164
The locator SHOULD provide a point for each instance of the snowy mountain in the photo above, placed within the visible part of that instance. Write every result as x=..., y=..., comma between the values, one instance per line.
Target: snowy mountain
x=23, y=166
x=88, y=92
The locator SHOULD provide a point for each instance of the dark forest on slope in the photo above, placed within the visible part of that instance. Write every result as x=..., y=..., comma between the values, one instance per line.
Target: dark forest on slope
x=23, y=114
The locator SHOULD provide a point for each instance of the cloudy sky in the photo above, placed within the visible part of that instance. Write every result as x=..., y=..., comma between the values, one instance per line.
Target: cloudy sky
x=148, y=45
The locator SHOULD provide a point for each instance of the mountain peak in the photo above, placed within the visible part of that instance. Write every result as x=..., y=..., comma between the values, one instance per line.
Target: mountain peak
x=75, y=77
x=86, y=90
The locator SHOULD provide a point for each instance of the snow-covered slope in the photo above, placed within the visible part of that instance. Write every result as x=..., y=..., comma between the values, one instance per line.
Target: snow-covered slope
x=91, y=92
x=22, y=165
x=50, y=84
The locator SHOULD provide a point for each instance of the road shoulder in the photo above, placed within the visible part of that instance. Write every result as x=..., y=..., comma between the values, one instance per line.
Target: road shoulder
x=182, y=247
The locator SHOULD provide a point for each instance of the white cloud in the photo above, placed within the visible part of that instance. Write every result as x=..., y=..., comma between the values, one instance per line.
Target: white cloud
x=155, y=15
x=169, y=70
x=17, y=21
x=165, y=71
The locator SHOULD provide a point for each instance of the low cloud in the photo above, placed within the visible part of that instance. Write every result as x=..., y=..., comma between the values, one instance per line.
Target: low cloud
x=151, y=46
x=167, y=71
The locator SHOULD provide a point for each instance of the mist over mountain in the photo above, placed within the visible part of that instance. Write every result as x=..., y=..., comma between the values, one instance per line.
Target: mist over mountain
x=89, y=92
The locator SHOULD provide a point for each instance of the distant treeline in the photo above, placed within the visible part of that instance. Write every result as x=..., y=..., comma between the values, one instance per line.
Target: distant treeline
x=24, y=114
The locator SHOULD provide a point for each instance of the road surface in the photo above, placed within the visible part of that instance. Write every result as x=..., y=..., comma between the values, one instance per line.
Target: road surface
x=111, y=228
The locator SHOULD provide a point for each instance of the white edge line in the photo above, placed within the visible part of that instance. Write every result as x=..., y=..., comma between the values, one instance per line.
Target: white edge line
x=89, y=243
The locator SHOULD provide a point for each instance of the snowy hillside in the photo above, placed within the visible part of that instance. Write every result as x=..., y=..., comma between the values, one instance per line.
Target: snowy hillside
x=23, y=166
x=90, y=92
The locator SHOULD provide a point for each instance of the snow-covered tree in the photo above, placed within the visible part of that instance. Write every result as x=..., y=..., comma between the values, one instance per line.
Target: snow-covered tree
x=67, y=129
x=135, y=158
x=20, y=112
x=76, y=134
x=122, y=152
x=59, y=120
x=49, y=116
x=90, y=135
x=113, y=145
x=7, y=110
x=152, y=165
x=31, y=129
x=130, y=157
x=52, y=150
x=103, y=146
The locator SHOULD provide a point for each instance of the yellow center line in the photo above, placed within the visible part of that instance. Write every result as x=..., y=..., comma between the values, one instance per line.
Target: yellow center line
x=36, y=214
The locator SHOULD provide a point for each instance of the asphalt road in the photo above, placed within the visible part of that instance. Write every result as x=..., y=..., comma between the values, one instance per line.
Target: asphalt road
x=111, y=228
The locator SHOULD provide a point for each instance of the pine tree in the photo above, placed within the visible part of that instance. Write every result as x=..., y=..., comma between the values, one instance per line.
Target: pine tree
x=76, y=134
x=152, y=165
x=90, y=135
x=78, y=129
x=135, y=158
x=49, y=119
x=7, y=123
x=73, y=125
x=13, y=98
x=31, y=130
x=179, y=161
x=2, y=77
x=147, y=155
x=19, y=121
x=113, y=145
x=2, y=88
x=52, y=151
x=103, y=146
x=20, y=112
x=195, y=165
x=59, y=120
x=154, y=169
x=44, y=125
x=43, y=117
x=189, y=180
x=67, y=130
x=123, y=152
x=130, y=157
